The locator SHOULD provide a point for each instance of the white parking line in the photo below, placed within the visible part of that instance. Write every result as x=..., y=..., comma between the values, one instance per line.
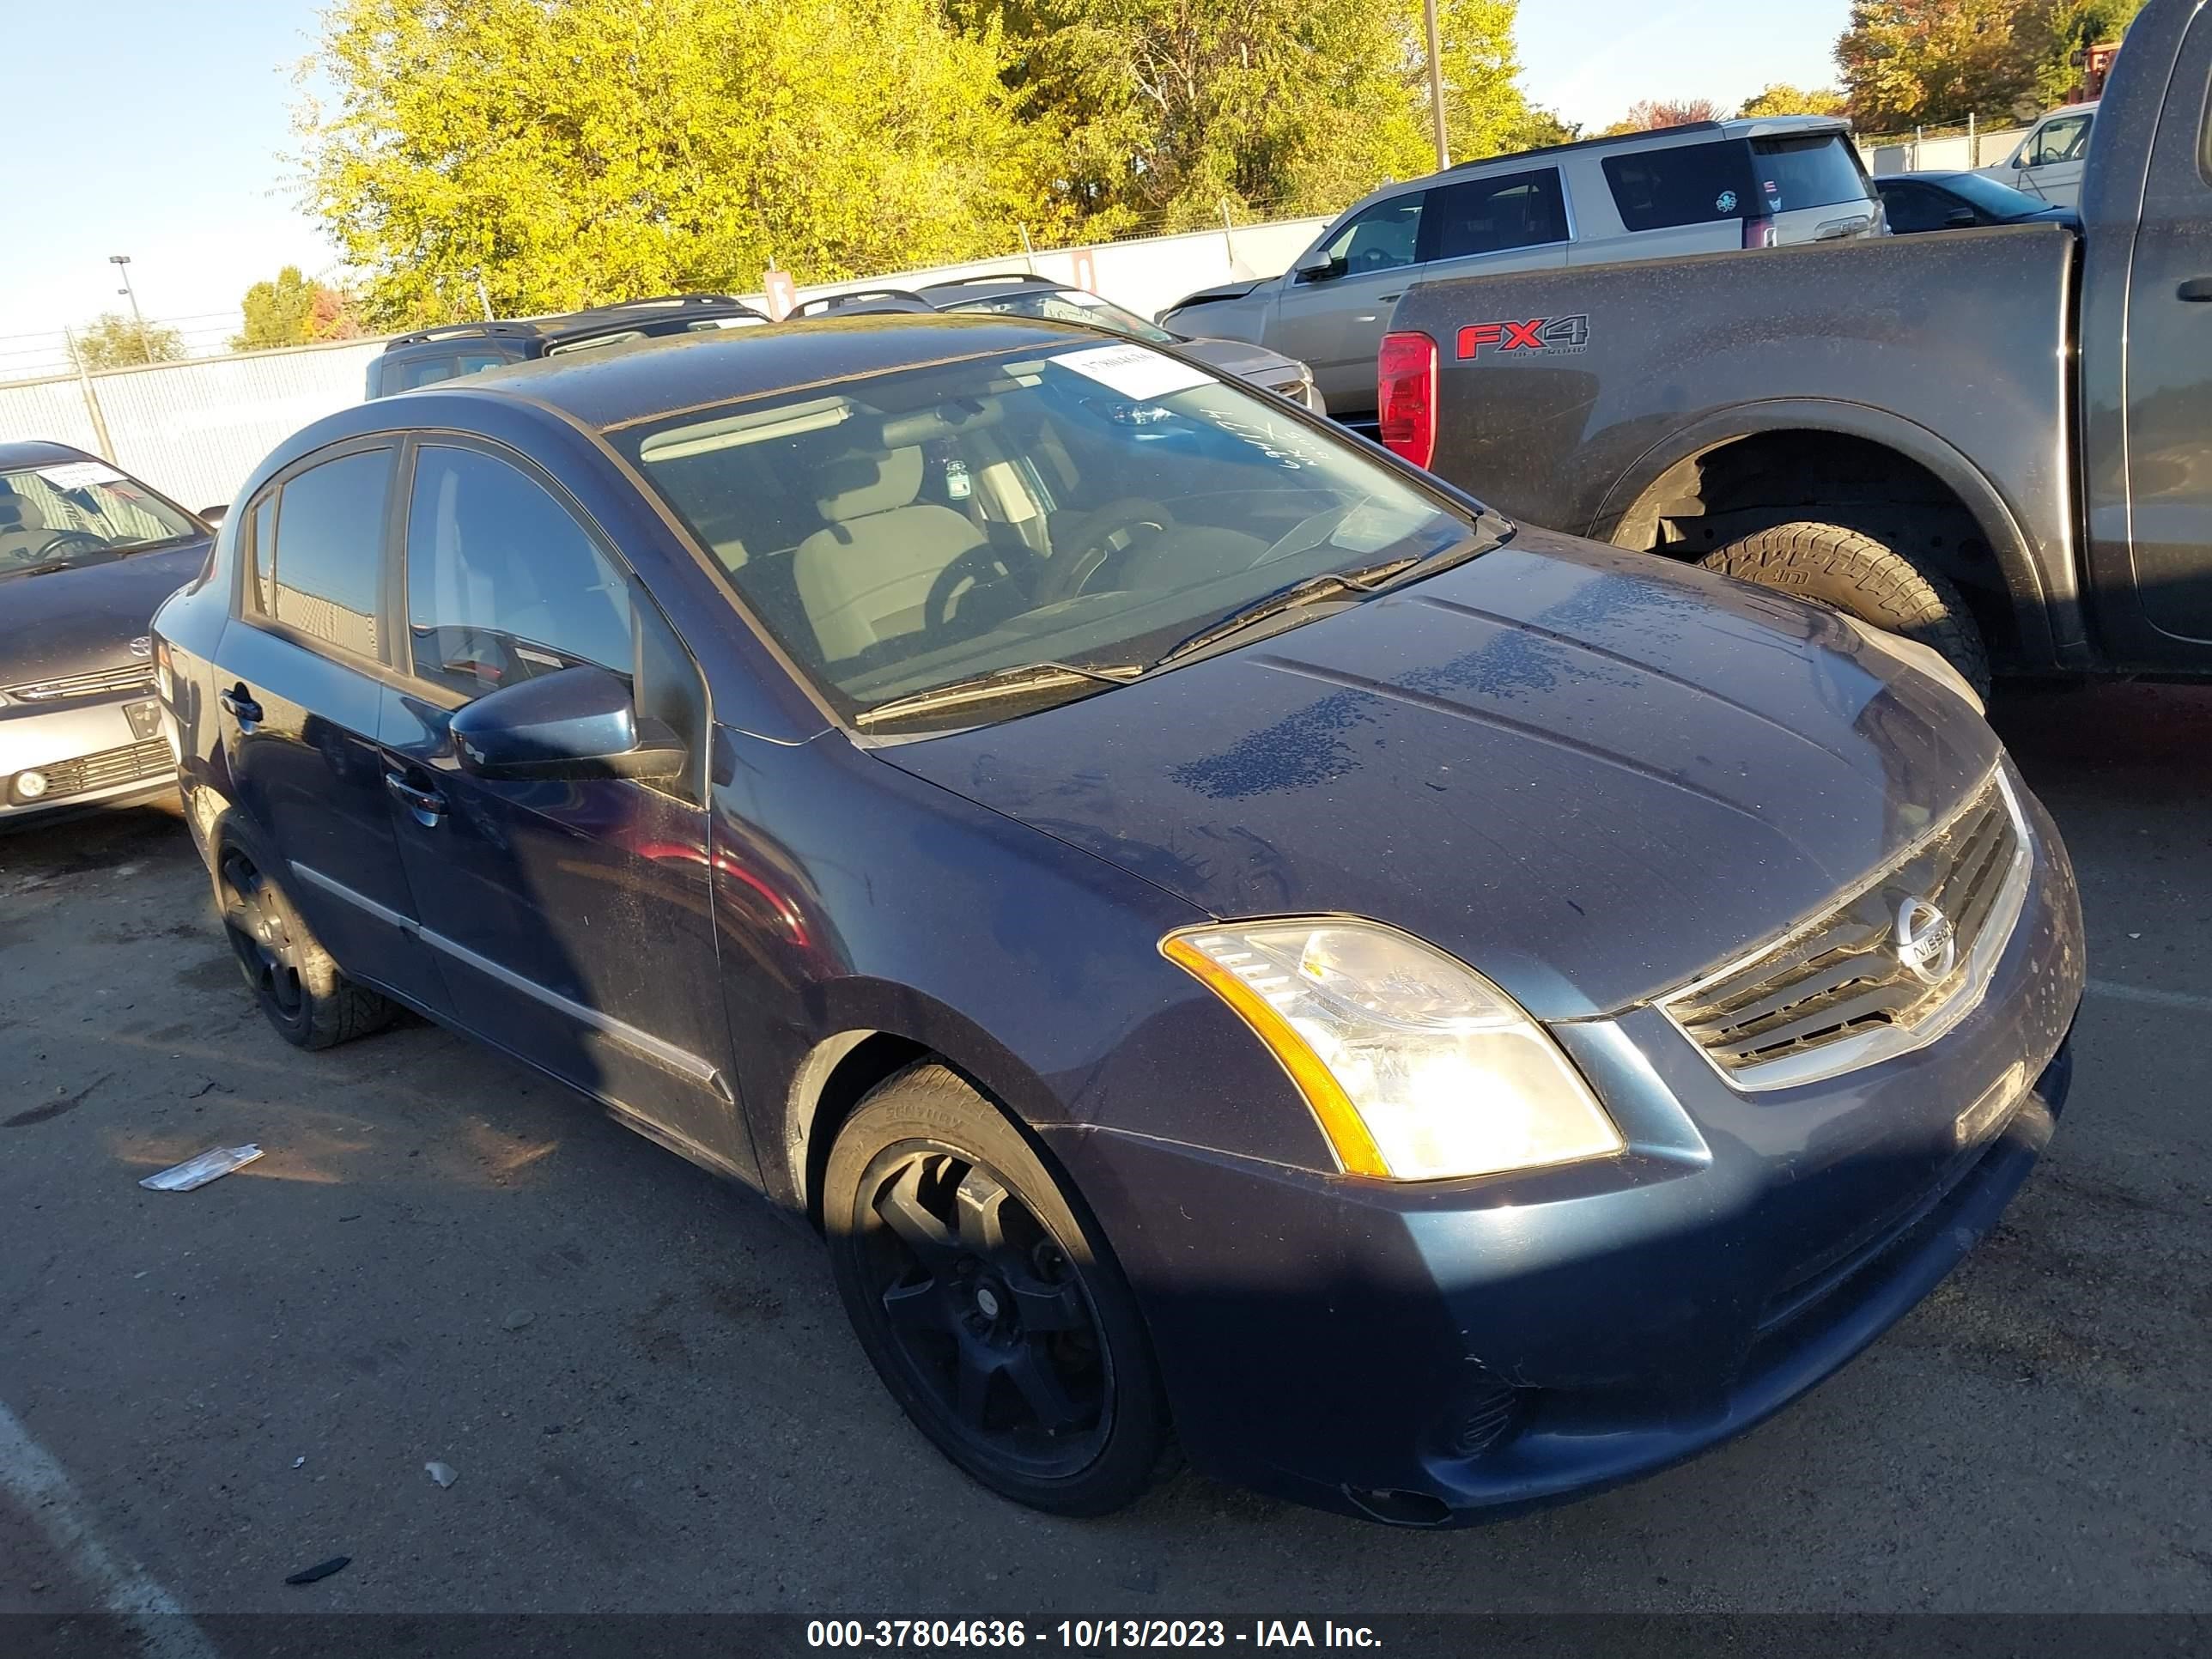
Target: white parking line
x=2106, y=987
x=29, y=1474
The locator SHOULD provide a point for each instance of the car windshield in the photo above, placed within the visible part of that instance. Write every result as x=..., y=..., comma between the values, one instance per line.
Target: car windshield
x=1820, y=171
x=1074, y=507
x=1070, y=305
x=82, y=512
x=1998, y=201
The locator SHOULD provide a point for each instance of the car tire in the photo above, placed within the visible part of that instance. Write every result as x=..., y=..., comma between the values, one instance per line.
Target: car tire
x=982, y=1296
x=311, y=1004
x=1851, y=572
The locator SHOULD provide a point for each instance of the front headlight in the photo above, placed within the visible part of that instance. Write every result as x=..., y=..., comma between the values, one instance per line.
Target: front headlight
x=1416, y=1066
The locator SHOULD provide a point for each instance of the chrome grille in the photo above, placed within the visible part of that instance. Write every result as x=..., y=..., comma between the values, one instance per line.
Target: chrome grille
x=130, y=677
x=1837, y=993
x=108, y=768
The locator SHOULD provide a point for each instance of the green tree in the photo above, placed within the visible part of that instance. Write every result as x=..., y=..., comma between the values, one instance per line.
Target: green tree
x=2069, y=25
x=1933, y=62
x=579, y=151
x=114, y=341
x=293, y=311
x=1782, y=99
x=1158, y=111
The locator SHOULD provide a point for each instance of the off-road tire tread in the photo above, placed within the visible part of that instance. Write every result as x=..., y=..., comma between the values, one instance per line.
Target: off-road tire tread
x=1852, y=572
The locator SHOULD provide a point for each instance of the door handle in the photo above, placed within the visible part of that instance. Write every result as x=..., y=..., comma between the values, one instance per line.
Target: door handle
x=238, y=703
x=2197, y=290
x=1399, y=295
x=428, y=806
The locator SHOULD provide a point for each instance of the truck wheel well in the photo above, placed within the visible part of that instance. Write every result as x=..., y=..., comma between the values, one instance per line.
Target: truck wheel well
x=857, y=1070
x=1710, y=499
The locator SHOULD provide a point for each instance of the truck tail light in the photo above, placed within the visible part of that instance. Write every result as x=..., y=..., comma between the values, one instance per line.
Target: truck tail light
x=1758, y=232
x=1406, y=396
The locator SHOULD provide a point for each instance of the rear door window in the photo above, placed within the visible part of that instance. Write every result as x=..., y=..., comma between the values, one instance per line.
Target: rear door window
x=1822, y=170
x=329, y=553
x=1681, y=184
x=1491, y=215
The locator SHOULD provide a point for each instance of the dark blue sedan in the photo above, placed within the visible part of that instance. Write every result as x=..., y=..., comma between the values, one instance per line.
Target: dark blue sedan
x=1235, y=945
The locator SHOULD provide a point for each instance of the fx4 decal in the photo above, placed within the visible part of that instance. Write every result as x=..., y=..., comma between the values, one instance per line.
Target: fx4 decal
x=1537, y=334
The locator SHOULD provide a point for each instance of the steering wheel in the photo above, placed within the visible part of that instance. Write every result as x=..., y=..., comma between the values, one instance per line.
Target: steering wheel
x=1099, y=537
x=63, y=537
x=981, y=569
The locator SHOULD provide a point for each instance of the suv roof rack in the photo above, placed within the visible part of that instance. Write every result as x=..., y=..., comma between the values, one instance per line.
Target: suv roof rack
x=567, y=322
x=873, y=299
x=1585, y=143
x=996, y=276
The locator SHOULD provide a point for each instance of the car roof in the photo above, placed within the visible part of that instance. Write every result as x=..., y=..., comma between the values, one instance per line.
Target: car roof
x=641, y=380
x=39, y=451
x=1932, y=176
x=956, y=288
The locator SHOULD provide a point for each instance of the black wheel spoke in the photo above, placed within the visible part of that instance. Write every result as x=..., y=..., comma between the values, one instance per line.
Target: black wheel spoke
x=975, y=1369
x=917, y=1307
x=902, y=1211
x=1033, y=1376
x=1042, y=1307
x=980, y=1206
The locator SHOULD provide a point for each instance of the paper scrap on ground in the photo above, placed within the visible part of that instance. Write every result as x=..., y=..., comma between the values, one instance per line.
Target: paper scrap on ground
x=210, y=1166
x=1134, y=371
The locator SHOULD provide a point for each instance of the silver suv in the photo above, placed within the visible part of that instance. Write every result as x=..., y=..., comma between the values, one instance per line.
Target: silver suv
x=1693, y=189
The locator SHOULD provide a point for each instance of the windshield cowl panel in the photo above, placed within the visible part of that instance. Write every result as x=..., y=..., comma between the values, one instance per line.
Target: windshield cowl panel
x=967, y=542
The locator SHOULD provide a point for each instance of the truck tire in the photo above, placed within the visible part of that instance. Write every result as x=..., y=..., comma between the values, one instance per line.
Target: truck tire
x=1855, y=573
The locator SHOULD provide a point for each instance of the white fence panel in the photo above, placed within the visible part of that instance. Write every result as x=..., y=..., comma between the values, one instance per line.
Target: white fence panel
x=51, y=410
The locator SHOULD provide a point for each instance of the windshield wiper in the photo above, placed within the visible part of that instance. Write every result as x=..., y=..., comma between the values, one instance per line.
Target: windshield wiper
x=1330, y=584
x=47, y=569
x=999, y=683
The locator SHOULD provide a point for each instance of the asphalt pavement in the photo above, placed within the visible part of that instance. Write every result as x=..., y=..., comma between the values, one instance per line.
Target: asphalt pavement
x=650, y=1399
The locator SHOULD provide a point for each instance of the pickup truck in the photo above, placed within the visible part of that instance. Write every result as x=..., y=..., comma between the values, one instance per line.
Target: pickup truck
x=1996, y=441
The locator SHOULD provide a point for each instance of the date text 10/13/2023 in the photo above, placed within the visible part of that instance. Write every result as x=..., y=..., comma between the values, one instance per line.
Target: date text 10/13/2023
x=1086, y=1633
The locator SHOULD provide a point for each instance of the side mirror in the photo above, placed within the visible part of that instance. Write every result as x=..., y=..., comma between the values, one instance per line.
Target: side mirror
x=573, y=723
x=1958, y=217
x=216, y=514
x=1313, y=266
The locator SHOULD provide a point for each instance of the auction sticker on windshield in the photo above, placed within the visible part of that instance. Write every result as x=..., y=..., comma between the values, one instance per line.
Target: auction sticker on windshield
x=76, y=475
x=1132, y=371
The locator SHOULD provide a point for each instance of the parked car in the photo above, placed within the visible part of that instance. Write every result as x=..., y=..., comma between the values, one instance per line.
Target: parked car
x=1216, y=927
x=87, y=552
x=431, y=354
x=1994, y=441
x=1020, y=295
x=2047, y=163
x=1682, y=190
x=1916, y=202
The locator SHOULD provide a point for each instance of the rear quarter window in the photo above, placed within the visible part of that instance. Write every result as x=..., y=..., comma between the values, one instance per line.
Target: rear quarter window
x=1681, y=184
x=1821, y=171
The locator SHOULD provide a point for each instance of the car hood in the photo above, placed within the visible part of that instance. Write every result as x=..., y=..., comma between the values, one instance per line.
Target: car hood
x=1243, y=359
x=72, y=621
x=1589, y=774
x=1218, y=291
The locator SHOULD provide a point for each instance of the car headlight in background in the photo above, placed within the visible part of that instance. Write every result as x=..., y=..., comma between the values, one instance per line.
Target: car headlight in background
x=1416, y=1066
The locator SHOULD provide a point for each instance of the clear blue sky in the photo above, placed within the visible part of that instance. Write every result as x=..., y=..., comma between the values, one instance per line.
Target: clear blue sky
x=158, y=128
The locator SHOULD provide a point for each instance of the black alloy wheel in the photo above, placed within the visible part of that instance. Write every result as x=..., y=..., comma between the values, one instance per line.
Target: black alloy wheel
x=982, y=1289
x=256, y=920
x=985, y=1313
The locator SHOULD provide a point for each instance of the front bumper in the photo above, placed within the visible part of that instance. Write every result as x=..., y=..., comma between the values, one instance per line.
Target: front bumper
x=87, y=751
x=1441, y=1353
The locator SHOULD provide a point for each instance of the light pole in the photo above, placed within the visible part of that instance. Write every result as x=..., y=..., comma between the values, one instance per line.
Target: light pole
x=122, y=263
x=1436, y=84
